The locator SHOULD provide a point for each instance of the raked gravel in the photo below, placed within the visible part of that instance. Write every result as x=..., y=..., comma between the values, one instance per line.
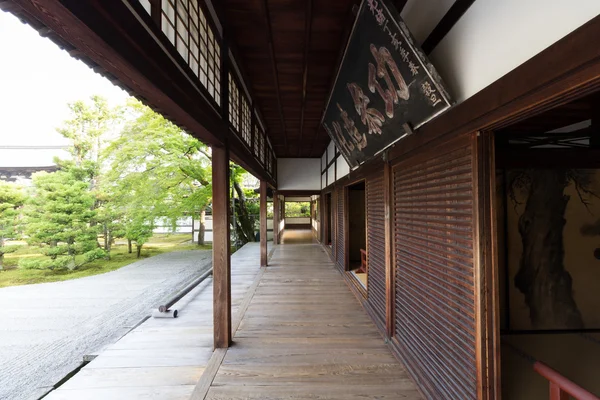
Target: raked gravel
x=47, y=328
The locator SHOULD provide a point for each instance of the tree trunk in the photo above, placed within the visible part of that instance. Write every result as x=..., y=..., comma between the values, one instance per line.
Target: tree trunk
x=139, y=250
x=129, y=246
x=106, y=238
x=202, y=228
x=542, y=277
x=1, y=253
x=244, y=222
x=108, y=243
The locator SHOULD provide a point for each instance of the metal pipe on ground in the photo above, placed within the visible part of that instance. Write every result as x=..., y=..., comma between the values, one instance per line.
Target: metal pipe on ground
x=164, y=310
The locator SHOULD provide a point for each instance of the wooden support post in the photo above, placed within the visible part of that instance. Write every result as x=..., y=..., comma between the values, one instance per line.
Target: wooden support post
x=263, y=223
x=275, y=218
x=389, y=259
x=221, y=248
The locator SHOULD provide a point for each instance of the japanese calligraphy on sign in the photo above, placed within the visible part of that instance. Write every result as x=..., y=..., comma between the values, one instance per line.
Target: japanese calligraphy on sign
x=384, y=82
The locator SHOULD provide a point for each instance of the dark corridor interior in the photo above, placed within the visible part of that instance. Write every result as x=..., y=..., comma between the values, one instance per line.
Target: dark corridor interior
x=357, y=232
x=548, y=219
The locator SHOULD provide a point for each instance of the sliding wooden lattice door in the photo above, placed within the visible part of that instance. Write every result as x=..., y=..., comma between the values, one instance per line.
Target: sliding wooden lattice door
x=376, y=245
x=434, y=261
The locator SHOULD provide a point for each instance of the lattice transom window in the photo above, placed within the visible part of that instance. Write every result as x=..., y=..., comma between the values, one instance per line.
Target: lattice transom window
x=234, y=104
x=246, y=122
x=185, y=25
x=147, y=6
x=262, y=149
x=256, y=141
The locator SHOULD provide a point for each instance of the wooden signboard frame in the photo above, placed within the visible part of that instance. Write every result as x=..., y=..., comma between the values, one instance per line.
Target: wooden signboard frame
x=385, y=87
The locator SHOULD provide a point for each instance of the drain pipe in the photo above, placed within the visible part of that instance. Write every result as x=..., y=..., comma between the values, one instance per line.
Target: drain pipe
x=164, y=310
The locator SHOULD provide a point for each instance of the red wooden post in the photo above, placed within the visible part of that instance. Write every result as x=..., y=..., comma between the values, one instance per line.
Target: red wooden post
x=560, y=387
x=221, y=248
x=556, y=392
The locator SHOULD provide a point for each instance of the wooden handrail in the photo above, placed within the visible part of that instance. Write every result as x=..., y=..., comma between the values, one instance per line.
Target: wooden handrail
x=560, y=387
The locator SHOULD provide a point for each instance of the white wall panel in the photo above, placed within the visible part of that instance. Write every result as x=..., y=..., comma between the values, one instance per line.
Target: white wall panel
x=298, y=173
x=422, y=16
x=343, y=168
x=494, y=37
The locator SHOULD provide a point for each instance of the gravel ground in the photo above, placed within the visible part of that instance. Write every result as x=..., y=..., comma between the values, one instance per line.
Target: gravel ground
x=46, y=329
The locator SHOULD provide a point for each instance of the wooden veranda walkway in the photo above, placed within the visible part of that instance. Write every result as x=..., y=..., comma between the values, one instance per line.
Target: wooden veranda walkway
x=300, y=334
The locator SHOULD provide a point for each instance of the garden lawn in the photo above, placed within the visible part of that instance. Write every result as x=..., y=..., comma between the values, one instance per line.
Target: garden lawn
x=158, y=244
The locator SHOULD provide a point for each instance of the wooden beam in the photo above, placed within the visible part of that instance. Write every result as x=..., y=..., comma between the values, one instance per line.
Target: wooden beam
x=307, y=34
x=267, y=20
x=263, y=223
x=399, y=4
x=221, y=248
x=446, y=23
x=549, y=158
x=275, y=217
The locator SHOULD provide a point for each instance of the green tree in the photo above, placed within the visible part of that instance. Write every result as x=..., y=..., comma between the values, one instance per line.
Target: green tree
x=160, y=169
x=246, y=210
x=11, y=199
x=90, y=128
x=57, y=218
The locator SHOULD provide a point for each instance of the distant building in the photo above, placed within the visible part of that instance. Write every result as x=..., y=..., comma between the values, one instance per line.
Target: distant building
x=19, y=163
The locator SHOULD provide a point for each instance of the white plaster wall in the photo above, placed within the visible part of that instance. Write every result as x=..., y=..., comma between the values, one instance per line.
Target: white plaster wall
x=422, y=16
x=298, y=174
x=343, y=168
x=495, y=36
x=331, y=174
x=330, y=151
x=297, y=220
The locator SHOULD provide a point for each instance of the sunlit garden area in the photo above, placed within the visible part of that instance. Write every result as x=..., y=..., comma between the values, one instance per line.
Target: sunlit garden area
x=127, y=169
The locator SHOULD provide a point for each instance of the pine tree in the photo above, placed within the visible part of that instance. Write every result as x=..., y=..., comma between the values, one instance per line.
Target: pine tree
x=11, y=199
x=57, y=218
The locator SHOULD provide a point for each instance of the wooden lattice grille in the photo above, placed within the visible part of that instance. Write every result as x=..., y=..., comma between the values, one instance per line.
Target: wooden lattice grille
x=434, y=270
x=234, y=104
x=376, y=245
x=262, y=149
x=246, y=122
x=256, y=144
x=184, y=23
x=340, y=235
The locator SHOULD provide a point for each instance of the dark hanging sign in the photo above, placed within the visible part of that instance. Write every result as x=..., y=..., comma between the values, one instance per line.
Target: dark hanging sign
x=385, y=87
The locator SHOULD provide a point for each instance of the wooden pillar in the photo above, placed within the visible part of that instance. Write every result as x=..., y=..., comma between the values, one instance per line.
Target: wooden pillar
x=275, y=218
x=221, y=248
x=263, y=223
x=389, y=259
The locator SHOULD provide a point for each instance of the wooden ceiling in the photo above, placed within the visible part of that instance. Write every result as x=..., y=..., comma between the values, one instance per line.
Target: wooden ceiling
x=290, y=50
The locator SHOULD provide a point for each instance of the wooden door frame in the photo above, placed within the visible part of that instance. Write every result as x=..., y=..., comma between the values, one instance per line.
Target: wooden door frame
x=485, y=254
x=347, y=221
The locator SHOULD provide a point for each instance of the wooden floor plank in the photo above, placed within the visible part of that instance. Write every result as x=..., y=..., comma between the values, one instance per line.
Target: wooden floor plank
x=305, y=336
